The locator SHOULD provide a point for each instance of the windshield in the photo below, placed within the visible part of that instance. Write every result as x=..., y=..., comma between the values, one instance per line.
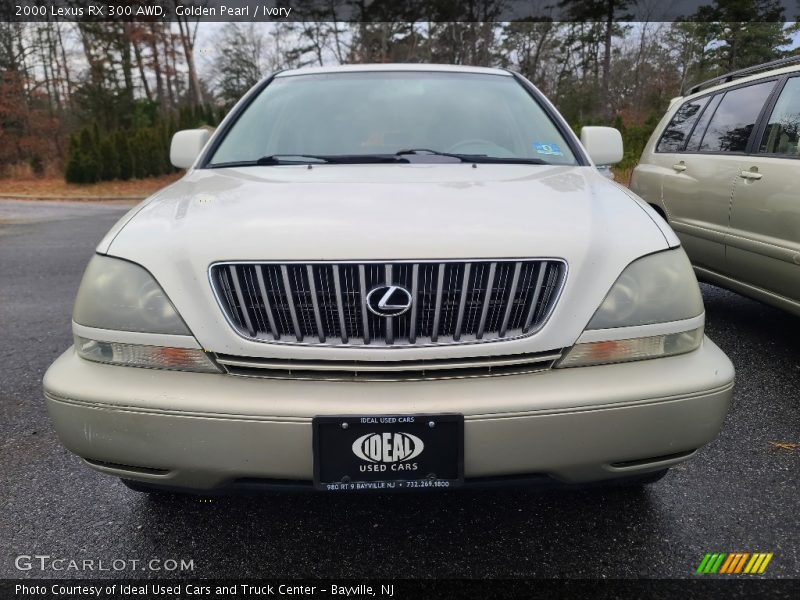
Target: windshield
x=383, y=113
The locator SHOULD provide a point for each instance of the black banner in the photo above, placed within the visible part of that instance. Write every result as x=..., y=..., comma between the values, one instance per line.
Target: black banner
x=422, y=11
x=401, y=589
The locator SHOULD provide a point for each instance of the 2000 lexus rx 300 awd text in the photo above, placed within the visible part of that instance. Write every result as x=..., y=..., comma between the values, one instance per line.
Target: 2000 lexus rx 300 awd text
x=389, y=277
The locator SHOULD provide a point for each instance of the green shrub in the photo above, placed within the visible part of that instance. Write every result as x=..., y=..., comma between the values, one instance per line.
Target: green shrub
x=139, y=152
x=74, y=170
x=109, y=161
x=124, y=156
x=37, y=165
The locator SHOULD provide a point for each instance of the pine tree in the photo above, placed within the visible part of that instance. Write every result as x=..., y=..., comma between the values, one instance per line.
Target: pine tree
x=88, y=152
x=185, y=118
x=153, y=144
x=164, y=144
x=209, y=117
x=124, y=156
x=139, y=152
x=744, y=33
x=74, y=171
x=109, y=160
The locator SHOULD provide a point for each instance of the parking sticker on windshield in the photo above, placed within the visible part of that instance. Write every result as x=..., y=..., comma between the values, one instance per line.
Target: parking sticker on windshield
x=547, y=149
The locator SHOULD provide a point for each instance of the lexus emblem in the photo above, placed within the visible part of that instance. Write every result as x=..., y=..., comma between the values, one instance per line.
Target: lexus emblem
x=389, y=301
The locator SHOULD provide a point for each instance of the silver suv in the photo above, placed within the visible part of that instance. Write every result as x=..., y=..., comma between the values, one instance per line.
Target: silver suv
x=723, y=168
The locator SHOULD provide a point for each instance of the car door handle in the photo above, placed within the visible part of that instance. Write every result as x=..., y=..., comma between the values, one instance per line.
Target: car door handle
x=680, y=167
x=750, y=175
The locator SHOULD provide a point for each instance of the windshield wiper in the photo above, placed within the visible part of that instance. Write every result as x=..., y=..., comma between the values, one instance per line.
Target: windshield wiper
x=313, y=159
x=274, y=159
x=356, y=159
x=474, y=158
x=293, y=159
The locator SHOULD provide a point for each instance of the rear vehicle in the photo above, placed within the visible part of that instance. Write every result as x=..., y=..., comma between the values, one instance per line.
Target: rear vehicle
x=723, y=168
x=368, y=281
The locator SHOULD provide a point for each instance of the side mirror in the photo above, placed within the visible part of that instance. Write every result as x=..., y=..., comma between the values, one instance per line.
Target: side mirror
x=186, y=147
x=604, y=144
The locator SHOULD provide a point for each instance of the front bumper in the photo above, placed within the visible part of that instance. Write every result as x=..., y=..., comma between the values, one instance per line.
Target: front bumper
x=202, y=431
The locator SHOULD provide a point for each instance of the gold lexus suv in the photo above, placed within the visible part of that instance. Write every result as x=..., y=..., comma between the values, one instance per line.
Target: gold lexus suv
x=723, y=168
x=367, y=280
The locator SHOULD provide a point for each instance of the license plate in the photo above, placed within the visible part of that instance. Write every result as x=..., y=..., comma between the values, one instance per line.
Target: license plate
x=388, y=452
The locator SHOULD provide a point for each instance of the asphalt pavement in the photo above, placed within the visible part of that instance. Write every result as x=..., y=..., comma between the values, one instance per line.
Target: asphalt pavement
x=739, y=494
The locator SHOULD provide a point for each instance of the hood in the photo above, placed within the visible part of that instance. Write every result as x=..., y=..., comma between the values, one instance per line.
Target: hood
x=385, y=212
x=333, y=212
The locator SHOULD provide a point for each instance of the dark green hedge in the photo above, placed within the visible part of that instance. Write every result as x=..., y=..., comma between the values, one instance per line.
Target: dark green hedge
x=129, y=153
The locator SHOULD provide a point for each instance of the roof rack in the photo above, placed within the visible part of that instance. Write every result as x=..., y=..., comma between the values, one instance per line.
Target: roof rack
x=768, y=66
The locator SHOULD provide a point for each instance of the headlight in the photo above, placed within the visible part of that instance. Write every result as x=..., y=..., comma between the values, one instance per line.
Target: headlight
x=122, y=296
x=150, y=357
x=655, y=289
x=118, y=295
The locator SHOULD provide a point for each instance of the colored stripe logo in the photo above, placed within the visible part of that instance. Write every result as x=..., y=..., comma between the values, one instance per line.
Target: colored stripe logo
x=734, y=563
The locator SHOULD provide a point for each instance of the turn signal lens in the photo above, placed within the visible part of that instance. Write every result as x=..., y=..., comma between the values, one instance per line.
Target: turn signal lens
x=149, y=357
x=614, y=351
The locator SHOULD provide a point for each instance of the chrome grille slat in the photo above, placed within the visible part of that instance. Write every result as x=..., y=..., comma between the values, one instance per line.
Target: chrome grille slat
x=427, y=300
x=454, y=302
x=412, y=334
x=523, y=293
x=262, y=288
x=486, y=297
x=364, y=312
x=337, y=282
x=225, y=287
x=512, y=294
x=405, y=370
x=280, y=300
x=437, y=315
x=352, y=301
x=330, y=309
x=240, y=296
x=287, y=288
x=315, y=303
x=389, y=336
x=303, y=306
x=462, y=302
x=500, y=292
x=548, y=289
x=260, y=323
x=402, y=365
x=537, y=290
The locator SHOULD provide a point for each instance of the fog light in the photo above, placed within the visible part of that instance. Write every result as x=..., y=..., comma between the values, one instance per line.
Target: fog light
x=150, y=357
x=614, y=351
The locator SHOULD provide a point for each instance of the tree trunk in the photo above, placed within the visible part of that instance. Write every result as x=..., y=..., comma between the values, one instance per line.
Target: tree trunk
x=137, y=52
x=609, y=32
x=187, y=41
x=154, y=50
x=64, y=60
x=173, y=81
x=127, y=65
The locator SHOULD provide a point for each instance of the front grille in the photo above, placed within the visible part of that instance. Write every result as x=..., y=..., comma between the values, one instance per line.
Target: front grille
x=403, y=370
x=325, y=303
